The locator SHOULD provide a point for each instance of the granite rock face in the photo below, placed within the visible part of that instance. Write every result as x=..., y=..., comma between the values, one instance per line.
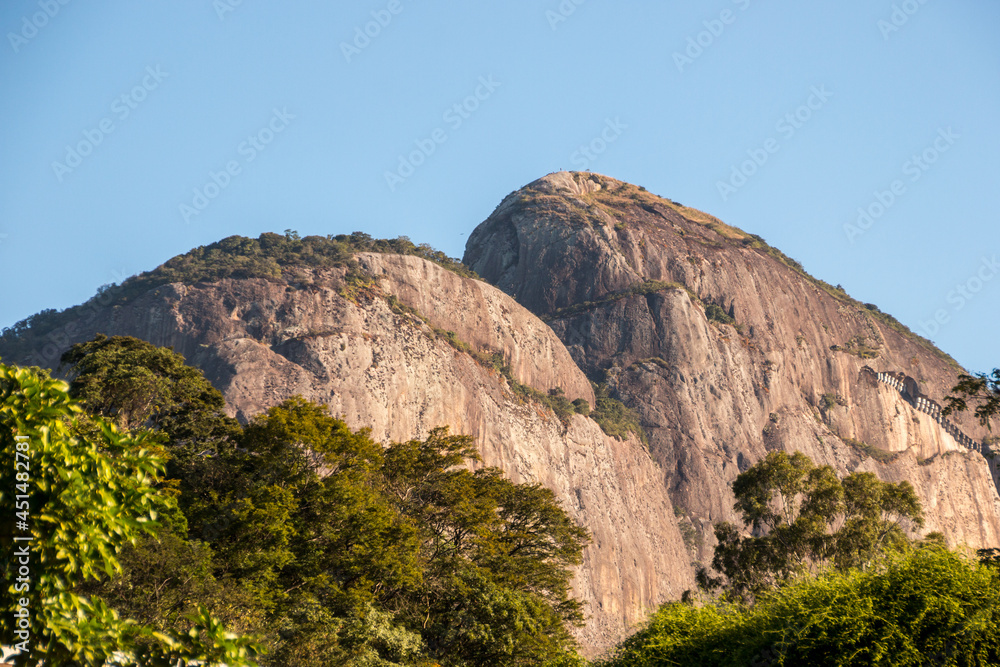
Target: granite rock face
x=721, y=344
x=728, y=350
x=381, y=359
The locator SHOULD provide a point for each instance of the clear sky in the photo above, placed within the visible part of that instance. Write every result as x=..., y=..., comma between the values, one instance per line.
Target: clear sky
x=134, y=131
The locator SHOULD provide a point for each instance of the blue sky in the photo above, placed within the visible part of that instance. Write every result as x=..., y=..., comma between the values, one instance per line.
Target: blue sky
x=133, y=132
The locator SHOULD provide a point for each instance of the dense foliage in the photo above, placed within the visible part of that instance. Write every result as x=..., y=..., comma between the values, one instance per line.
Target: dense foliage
x=73, y=492
x=138, y=384
x=925, y=607
x=328, y=547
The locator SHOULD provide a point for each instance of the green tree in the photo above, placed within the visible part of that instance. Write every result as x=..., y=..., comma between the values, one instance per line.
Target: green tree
x=874, y=515
x=497, y=586
x=927, y=606
x=788, y=502
x=399, y=554
x=982, y=390
x=139, y=385
x=350, y=555
x=791, y=506
x=88, y=492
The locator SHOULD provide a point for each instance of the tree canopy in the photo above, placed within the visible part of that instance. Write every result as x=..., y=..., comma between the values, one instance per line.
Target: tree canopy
x=80, y=492
x=927, y=606
x=327, y=547
x=791, y=506
x=139, y=385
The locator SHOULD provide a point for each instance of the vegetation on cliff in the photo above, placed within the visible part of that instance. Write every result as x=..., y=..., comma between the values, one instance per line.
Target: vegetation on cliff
x=613, y=416
x=325, y=547
x=270, y=256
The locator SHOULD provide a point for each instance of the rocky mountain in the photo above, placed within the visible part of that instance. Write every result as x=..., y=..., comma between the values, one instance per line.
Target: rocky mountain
x=723, y=347
x=728, y=349
x=401, y=346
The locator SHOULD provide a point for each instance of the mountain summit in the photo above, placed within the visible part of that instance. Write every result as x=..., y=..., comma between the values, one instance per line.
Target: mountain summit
x=698, y=346
x=727, y=349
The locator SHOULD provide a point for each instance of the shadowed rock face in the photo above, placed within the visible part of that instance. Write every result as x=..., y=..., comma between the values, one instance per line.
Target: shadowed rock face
x=379, y=362
x=629, y=282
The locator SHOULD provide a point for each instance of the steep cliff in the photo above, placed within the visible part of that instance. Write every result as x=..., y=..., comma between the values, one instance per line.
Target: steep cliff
x=727, y=349
x=724, y=347
x=374, y=344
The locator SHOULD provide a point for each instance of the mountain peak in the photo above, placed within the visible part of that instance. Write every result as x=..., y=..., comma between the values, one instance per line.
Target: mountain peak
x=724, y=346
x=600, y=228
x=571, y=182
x=573, y=238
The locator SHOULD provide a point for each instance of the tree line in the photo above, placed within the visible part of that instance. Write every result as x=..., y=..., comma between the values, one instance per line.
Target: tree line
x=163, y=530
x=167, y=531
